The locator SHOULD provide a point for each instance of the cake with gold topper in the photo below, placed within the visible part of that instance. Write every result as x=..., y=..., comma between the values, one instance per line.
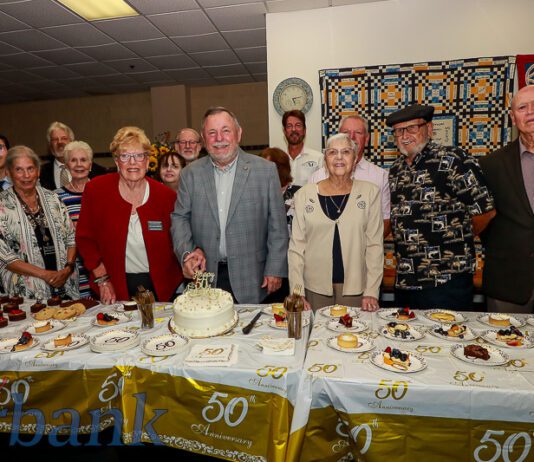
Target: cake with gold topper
x=202, y=311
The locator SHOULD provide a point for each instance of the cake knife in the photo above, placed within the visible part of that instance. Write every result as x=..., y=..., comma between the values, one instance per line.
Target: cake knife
x=250, y=325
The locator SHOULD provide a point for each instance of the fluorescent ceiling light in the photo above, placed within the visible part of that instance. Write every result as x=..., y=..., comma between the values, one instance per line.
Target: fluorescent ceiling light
x=100, y=9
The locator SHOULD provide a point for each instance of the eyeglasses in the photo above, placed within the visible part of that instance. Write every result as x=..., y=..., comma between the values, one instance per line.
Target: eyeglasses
x=297, y=126
x=332, y=152
x=411, y=129
x=185, y=143
x=136, y=156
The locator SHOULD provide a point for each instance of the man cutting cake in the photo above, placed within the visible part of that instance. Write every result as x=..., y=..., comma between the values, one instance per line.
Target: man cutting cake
x=229, y=217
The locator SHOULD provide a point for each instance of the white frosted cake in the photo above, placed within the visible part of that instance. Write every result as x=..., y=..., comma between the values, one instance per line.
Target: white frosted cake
x=204, y=313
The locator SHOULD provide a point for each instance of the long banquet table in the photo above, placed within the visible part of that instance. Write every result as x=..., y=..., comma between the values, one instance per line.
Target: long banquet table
x=242, y=412
x=450, y=411
x=322, y=404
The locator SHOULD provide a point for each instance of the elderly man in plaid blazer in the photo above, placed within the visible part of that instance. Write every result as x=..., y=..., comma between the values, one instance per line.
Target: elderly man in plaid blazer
x=229, y=217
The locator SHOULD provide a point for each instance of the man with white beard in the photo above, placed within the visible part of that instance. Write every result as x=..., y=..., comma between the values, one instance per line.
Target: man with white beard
x=439, y=203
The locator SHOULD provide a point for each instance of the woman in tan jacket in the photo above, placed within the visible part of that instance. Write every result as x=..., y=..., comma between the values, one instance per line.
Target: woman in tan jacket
x=336, y=248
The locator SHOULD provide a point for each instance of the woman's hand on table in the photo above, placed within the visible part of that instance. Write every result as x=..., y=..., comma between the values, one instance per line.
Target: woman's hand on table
x=370, y=304
x=107, y=293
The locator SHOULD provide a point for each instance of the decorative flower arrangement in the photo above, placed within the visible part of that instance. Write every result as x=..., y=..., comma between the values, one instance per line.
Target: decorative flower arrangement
x=159, y=147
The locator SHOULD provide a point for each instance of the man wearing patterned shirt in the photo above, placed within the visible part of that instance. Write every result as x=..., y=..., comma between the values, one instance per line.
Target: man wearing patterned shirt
x=439, y=202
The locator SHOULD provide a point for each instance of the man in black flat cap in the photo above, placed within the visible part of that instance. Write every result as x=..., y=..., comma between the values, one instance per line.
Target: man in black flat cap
x=439, y=202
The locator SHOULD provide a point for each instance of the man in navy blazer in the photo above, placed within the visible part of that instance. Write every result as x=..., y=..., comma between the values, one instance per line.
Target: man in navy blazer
x=58, y=136
x=509, y=239
x=229, y=217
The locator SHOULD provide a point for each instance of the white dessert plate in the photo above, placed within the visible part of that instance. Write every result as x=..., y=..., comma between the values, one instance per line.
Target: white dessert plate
x=363, y=345
x=326, y=312
x=516, y=322
x=164, y=345
x=390, y=314
x=458, y=317
x=357, y=326
x=530, y=320
x=497, y=357
x=122, y=317
x=467, y=336
x=412, y=334
x=418, y=363
x=7, y=343
x=272, y=323
x=491, y=336
x=114, y=340
x=277, y=346
x=78, y=341
x=55, y=325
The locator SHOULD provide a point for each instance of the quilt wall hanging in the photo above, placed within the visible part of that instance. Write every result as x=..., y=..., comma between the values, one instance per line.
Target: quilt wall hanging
x=471, y=99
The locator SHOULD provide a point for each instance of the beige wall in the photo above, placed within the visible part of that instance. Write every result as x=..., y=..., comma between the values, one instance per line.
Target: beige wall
x=95, y=119
x=388, y=32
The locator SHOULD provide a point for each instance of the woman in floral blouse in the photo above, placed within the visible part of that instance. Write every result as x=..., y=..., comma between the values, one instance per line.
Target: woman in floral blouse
x=37, y=245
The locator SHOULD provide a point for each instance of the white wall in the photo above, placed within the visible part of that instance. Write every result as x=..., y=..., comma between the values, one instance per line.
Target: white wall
x=299, y=44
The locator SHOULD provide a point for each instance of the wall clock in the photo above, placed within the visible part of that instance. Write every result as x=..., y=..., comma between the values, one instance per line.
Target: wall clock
x=292, y=93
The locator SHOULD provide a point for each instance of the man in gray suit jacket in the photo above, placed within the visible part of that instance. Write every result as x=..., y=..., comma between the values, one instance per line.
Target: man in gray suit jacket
x=509, y=239
x=229, y=217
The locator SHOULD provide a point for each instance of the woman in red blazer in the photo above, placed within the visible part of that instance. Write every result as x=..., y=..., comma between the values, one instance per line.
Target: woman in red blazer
x=123, y=232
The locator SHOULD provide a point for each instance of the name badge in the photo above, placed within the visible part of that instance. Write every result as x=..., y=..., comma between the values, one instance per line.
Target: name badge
x=155, y=226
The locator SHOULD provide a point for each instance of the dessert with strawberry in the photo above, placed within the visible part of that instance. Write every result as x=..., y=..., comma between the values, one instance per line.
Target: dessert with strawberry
x=404, y=314
x=511, y=336
x=25, y=341
x=106, y=319
x=346, y=320
x=396, y=358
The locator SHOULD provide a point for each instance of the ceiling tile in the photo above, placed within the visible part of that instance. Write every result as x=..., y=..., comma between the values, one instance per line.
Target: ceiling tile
x=131, y=65
x=78, y=35
x=281, y=6
x=107, y=52
x=151, y=76
x=65, y=56
x=6, y=49
x=55, y=72
x=254, y=54
x=25, y=61
x=212, y=3
x=172, y=62
x=41, y=13
x=257, y=68
x=7, y=23
x=199, y=82
x=249, y=16
x=187, y=74
x=118, y=79
x=19, y=76
x=260, y=77
x=128, y=29
x=132, y=87
x=47, y=85
x=91, y=69
x=205, y=42
x=223, y=71
x=162, y=6
x=31, y=40
x=154, y=47
x=235, y=79
x=79, y=83
x=215, y=58
x=183, y=23
x=251, y=37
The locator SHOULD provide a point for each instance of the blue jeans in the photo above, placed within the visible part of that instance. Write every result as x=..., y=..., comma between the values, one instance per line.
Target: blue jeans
x=457, y=294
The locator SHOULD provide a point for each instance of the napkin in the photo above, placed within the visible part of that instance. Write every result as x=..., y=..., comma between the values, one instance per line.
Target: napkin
x=207, y=354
